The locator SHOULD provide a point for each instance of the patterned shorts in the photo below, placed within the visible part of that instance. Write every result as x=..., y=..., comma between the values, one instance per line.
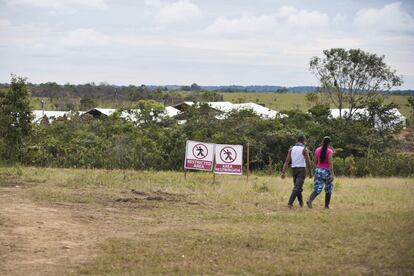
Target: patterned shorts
x=321, y=179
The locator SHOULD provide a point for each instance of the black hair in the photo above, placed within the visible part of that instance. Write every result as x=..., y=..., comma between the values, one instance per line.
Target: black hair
x=301, y=139
x=326, y=142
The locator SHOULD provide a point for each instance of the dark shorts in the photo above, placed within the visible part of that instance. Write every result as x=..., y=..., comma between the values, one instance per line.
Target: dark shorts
x=299, y=175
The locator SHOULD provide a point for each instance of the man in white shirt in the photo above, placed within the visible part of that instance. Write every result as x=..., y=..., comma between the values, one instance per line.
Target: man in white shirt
x=299, y=156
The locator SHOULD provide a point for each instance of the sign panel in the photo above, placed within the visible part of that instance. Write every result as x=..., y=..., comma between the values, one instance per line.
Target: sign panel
x=229, y=159
x=199, y=156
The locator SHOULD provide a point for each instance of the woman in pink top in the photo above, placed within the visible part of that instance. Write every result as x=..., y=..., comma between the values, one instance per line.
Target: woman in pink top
x=324, y=174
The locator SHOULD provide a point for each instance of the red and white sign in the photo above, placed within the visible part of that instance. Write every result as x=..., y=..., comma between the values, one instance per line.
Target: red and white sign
x=229, y=159
x=199, y=156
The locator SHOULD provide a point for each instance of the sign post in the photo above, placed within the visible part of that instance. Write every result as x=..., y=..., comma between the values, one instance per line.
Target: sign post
x=228, y=159
x=199, y=156
x=248, y=162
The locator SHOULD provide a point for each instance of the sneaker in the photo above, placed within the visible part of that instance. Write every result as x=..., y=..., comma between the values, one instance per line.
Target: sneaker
x=290, y=206
x=309, y=203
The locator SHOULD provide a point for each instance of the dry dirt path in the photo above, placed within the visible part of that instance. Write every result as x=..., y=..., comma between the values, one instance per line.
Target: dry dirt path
x=42, y=240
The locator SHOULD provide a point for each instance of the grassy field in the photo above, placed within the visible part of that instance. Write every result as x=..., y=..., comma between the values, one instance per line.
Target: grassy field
x=276, y=101
x=280, y=101
x=99, y=222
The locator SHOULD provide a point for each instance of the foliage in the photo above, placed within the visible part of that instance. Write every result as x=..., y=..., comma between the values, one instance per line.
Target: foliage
x=353, y=77
x=320, y=111
x=15, y=119
x=289, y=101
x=312, y=98
x=158, y=142
x=86, y=96
x=155, y=141
x=411, y=106
x=87, y=103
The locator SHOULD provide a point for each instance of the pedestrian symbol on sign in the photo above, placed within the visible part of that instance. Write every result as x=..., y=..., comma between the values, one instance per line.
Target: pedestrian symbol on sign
x=200, y=151
x=228, y=155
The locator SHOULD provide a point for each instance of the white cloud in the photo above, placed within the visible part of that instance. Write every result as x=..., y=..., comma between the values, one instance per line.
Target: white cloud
x=242, y=25
x=59, y=4
x=84, y=38
x=165, y=37
x=180, y=11
x=339, y=19
x=390, y=18
x=153, y=3
x=286, y=18
x=21, y=35
x=302, y=18
x=4, y=23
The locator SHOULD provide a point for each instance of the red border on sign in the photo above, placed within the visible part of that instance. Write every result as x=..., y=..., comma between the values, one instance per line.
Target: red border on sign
x=194, y=164
x=228, y=168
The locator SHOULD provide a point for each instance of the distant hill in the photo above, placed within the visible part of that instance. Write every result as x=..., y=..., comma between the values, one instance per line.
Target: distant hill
x=194, y=87
x=248, y=88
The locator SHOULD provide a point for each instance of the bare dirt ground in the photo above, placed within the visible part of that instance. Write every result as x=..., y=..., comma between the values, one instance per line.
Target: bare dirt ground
x=52, y=238
x=58, y=238
x=41, y=240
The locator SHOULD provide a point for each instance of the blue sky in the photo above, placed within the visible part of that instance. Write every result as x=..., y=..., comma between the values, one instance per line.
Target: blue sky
x=210, y=42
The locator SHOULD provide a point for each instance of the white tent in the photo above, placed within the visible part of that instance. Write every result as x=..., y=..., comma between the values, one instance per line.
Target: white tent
x=259, y=110
x=171, y=111
x=363, y=112
x=50, y=115
x=128, y=115
x=226, y=107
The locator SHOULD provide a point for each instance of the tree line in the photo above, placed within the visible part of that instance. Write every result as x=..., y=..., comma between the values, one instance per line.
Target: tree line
x=157, y=142
x=85, y=96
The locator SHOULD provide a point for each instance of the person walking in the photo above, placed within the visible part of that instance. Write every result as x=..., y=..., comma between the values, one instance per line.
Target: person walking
x=324, y=173
x=299, y=156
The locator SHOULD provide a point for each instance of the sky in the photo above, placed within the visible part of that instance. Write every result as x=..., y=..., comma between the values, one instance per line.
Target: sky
x=209, y=42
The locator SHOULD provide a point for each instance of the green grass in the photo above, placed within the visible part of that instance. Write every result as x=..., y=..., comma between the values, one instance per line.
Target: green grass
x=231, y=227
x=287, y=101
x=276, y=101
x=36, y=103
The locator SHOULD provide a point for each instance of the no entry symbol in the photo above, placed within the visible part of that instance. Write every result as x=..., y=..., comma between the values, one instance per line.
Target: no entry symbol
x=200, y=151
x=228, y=155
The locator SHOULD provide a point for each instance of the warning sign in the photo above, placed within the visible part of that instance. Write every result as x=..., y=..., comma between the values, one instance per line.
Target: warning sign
x=199, y=156
x=229, y=159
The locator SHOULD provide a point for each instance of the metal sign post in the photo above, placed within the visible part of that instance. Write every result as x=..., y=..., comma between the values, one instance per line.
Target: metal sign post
x=248, y=162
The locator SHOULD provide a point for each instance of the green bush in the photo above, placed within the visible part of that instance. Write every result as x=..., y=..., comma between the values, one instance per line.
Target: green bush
x=339, y=166
x=349, y=164
x=385, y=164
x=159, y=143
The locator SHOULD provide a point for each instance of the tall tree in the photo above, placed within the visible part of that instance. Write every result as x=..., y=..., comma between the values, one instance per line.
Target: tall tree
x=15, y=118
x=195, y=87
x=87, y=102
x=353, y=77
x=411, y=106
